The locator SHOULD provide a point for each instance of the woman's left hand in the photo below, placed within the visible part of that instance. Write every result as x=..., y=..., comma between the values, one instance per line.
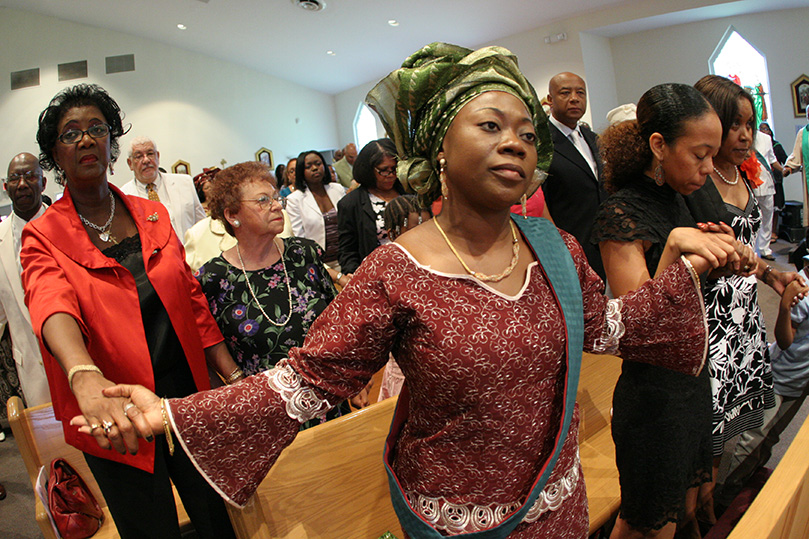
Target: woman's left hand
x=360, y=400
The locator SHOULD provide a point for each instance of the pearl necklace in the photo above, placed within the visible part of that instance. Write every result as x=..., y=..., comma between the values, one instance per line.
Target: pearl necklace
x=734, y=182
x=103, y=231
x=515, y=256
x=253, y=293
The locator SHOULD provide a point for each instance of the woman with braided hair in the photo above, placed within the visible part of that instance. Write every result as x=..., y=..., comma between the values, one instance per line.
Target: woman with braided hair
x=487, y=315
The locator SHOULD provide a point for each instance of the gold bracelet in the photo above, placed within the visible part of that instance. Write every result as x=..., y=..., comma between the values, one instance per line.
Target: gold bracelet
x=235, y=376
x=80, y=368
x=167, y=427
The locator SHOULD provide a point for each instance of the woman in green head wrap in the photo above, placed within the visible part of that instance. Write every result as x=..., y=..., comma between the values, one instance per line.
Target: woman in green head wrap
x=487, y=317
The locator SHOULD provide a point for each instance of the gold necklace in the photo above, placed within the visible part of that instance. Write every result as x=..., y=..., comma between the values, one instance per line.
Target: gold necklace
x=515, y=256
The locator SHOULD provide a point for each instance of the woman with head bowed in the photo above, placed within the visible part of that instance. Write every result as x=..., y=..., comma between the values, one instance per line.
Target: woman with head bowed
x=486, y=314
x=112, y=301
x=661, y=418
x=361, y=212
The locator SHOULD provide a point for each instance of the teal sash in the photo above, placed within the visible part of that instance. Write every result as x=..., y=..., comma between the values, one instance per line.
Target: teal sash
x=557, y=264
x=805, y=159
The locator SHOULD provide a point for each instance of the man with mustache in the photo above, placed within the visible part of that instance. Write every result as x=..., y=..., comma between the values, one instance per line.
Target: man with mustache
x=573, y=190
x=24, y=185
x=175, y=191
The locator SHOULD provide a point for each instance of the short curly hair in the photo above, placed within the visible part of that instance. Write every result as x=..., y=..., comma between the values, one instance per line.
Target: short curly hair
x=663, y=109
x=227, y=188
x=81, y=95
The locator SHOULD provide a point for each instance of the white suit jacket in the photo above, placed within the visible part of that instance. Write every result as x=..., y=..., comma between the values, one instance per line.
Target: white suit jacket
x=183, y=205
x=304, y=213
x=25, y=346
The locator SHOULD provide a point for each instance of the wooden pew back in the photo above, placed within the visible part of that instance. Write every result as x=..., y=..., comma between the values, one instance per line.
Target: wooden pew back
x=781, y=509
x=331, y=481
x=40, y=440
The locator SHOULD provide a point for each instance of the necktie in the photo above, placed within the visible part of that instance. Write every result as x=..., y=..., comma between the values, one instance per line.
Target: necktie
x=578, y=141
x=152, y=192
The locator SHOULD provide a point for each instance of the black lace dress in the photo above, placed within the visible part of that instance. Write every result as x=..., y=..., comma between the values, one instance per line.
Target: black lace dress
x=661, y=422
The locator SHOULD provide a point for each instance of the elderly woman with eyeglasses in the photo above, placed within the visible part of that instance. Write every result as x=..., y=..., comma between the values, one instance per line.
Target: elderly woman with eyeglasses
x=112, y=300
x=264, y=292
x=360, y=214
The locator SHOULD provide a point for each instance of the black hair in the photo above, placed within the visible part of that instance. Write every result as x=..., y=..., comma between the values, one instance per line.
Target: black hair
x=81, y=95
x=663, y=109
x=399, y=209
x=724, y=95
x=371, y=157
x=300, y=166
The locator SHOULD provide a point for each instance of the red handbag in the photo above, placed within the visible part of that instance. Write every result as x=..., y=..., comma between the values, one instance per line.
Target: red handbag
x=73, y=507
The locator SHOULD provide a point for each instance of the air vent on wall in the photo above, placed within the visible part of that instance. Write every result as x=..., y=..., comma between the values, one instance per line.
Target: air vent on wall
x=310, y=5
x=73, y=70
x=119, y=64
x=25, y=78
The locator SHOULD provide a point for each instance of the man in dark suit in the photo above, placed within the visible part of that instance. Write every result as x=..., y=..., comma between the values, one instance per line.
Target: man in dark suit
x=573, y=190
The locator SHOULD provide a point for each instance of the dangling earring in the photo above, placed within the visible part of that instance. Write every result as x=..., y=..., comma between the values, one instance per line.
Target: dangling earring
x=660, y=178
x=524, y=204
x=112, y=172
x=236, y=223
x=442, y=164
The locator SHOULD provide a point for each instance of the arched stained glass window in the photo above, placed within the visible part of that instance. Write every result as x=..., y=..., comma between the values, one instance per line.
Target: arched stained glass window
x=737, y=59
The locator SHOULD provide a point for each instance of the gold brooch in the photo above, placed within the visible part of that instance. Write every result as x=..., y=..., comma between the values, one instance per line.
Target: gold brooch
x=152, y=217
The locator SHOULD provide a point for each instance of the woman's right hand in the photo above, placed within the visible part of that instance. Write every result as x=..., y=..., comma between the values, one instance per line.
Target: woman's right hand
x=145, y=415
x=712, y=249
x=98, y=410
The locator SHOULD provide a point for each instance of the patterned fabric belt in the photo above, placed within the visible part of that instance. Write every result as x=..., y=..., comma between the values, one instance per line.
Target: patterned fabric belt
x=467, y=518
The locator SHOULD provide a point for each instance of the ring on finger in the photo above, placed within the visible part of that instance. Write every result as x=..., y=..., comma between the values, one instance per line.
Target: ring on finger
x=128, y=406
x=94, y=426
x=107, y=425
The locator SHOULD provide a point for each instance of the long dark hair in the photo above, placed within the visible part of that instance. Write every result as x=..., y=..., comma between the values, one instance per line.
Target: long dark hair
x=663, y=109
x=724, y=95
x=300, y=166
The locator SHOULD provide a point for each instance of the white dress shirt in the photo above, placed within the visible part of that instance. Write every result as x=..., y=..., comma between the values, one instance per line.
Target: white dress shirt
x=578, y=141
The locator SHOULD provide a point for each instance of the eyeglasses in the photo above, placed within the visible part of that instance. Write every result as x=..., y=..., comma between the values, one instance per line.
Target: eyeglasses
x=74, y=135
x=386, y=171
x=30, y=177
x=141, y=156
x=265, y=201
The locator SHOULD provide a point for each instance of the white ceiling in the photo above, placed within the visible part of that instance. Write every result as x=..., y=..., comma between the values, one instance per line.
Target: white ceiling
x=280, y=39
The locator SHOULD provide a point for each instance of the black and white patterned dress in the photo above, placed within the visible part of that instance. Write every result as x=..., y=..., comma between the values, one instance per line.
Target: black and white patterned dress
x=738, y=360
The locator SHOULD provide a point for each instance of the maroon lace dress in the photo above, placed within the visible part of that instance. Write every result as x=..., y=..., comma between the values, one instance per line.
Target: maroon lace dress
x=484, y=371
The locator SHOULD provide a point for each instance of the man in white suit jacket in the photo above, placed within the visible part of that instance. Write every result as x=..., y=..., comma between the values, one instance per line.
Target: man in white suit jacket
x=24, y=185
x=175, y=191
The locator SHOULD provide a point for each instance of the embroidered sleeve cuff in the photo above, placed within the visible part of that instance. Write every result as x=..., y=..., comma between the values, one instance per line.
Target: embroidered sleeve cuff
x=302, y=403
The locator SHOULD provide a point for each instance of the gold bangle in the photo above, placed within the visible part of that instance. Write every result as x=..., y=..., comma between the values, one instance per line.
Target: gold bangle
x=235, y=376
x=80, y=368
x=692, y=271
x=167, y=427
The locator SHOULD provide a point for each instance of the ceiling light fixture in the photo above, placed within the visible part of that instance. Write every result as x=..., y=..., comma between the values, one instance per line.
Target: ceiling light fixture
x=182, y=26
x=310, y=5
x=331, y=53
x=393, y=22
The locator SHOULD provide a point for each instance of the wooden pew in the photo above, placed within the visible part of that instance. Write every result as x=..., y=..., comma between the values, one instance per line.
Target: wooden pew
x=781, y=509
x=331, y=482
x=40, y=440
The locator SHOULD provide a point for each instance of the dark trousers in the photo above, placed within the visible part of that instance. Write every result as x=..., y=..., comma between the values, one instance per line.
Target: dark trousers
x=142, y=504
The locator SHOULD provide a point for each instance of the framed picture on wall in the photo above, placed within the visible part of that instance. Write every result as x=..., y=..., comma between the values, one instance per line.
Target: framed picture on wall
x=800, y=95
x=264, y=156
x=181, y=167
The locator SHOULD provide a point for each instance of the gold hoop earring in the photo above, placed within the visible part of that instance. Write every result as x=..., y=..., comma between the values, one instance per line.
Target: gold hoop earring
x=442, y=165
x=660, y=176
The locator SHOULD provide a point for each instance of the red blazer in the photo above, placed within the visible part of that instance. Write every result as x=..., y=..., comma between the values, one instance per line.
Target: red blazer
x=63, y=272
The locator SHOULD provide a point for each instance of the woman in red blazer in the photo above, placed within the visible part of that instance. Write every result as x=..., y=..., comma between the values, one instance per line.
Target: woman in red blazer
x=112, y=301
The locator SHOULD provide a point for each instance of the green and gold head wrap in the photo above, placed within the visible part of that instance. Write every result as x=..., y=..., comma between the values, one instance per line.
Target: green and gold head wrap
x=418, y=102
